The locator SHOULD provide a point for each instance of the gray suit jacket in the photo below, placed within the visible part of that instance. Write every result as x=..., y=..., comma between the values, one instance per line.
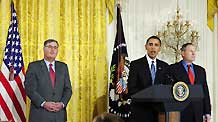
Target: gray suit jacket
x=39, y=89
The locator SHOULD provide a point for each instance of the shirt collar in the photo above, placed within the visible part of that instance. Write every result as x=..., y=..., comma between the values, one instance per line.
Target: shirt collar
x=185, y=64
x=150, y=60
x=47, y=64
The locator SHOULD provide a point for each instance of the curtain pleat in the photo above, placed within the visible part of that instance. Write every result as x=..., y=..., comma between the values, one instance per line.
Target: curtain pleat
x=212, y=9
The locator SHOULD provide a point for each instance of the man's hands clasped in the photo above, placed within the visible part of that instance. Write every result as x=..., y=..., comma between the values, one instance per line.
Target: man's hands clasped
x=53, y=106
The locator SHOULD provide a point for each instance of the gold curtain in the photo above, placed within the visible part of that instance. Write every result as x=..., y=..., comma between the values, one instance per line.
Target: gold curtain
x=212, y=9
x=80, y=28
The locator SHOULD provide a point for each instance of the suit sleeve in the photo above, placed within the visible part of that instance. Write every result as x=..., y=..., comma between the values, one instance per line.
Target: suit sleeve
x=31, y=86
x=206, y=100
x=67, y=87
x=132, y=79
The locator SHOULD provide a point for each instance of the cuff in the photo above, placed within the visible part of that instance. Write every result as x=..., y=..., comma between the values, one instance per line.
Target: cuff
x=42, y=103
x=63, y=104
x=207, y=116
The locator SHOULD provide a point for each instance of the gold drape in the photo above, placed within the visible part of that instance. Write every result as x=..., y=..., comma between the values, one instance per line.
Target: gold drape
x=80, y=28
x=212, y=9
x=110, y=6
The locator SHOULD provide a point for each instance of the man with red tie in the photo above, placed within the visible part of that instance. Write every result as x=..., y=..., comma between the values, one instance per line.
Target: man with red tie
x=48, y=86
x=190, y=73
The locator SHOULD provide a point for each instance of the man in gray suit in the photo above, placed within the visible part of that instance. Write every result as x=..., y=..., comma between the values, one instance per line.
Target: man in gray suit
x=48, y=86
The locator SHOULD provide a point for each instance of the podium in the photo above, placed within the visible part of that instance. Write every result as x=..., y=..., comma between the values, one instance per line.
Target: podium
x=161, y=98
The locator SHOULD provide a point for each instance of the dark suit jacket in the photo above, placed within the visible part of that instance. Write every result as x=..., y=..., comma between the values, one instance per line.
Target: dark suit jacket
x=195, y=110
x=39, y=88
x=139, y=79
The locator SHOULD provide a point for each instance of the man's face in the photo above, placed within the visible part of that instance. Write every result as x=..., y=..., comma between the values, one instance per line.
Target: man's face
x=189, y=54
x=153, y=48
x=50, y=51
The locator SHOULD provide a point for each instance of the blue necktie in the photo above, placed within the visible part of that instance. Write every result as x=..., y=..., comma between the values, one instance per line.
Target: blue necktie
x=152, y=72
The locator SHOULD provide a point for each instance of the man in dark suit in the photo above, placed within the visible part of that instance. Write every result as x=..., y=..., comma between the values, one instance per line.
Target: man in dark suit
x=48, y=86
x=188, y=72
x=145, y=72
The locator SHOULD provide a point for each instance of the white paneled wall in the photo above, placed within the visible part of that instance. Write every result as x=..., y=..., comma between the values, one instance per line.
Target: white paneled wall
x=142, y=18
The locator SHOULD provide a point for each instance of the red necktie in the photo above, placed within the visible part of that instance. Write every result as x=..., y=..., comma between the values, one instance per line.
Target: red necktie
x=52, y=75
x=191, y=75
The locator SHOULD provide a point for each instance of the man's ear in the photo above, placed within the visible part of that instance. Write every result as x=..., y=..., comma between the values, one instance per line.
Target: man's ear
x=182, y=53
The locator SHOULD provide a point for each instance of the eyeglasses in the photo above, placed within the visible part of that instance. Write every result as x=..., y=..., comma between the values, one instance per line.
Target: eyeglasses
x=51, y=47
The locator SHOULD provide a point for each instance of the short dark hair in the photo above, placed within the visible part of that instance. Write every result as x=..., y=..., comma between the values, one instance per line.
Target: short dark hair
x=107, y=117
x=153, y=37
x=183, y=48
x=49, y=41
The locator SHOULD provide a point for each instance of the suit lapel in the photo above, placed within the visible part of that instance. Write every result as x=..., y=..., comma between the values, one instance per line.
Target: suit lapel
x=146, y=71
x=196, y=71
x=57, y=73
x=44, y=71
x=158, y=70
x=145, y=62
x=183, y=73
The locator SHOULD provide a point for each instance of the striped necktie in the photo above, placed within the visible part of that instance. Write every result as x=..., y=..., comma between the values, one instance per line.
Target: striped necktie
x=52, y=75
x=152, y=72
x=191, y=75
